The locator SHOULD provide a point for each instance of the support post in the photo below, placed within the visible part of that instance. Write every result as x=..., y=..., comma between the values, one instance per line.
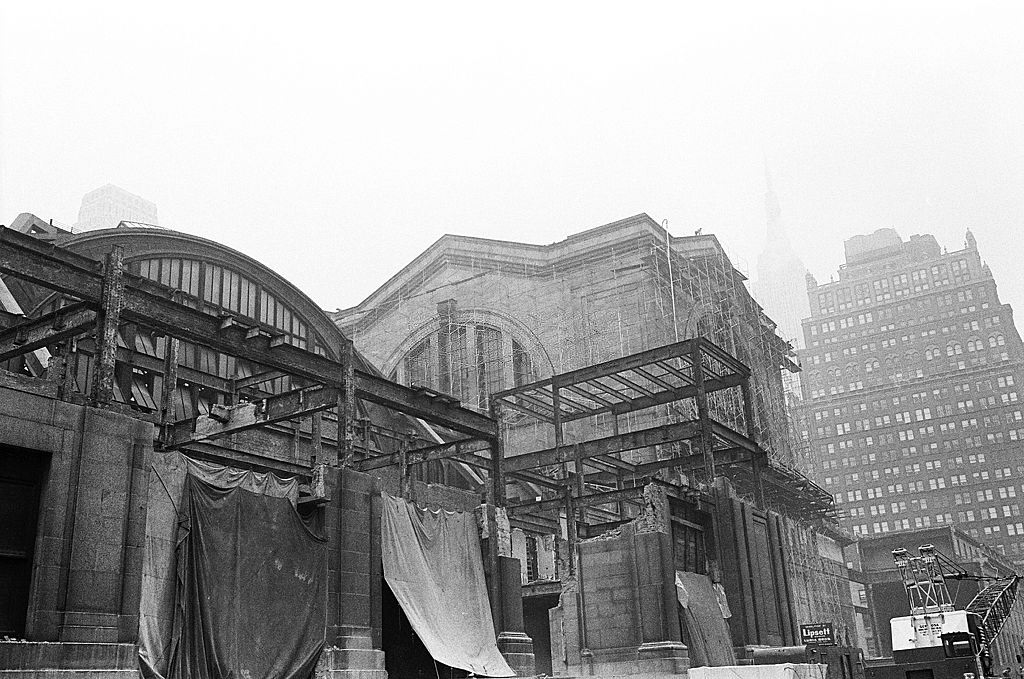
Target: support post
x=59, y=369
x=404, y=482
x=172, y=347
x=318, y=485
x=107, y=321
x=497, y=459
x=347, y=406
x=707, y=442
x=316, y=434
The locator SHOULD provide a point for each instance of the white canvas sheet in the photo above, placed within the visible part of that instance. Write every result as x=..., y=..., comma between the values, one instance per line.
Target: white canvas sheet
x=432, y=563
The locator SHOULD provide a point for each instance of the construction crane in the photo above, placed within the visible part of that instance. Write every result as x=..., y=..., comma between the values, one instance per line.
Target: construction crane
x=993, y=605
x=936, y=640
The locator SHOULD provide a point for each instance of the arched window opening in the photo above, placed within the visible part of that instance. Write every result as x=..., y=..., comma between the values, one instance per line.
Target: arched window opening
x=470, y=361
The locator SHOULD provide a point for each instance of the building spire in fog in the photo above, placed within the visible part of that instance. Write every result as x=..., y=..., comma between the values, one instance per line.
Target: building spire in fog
x=771, y=207
x=781, y=286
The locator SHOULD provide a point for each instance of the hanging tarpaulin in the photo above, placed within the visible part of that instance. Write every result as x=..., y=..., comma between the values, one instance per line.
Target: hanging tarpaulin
x=433, y=565
x=704, y=613
x=159, y=569
x=252, y=587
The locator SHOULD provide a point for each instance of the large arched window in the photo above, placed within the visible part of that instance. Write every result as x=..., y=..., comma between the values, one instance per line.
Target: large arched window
x=228, y=290
x=468, y=360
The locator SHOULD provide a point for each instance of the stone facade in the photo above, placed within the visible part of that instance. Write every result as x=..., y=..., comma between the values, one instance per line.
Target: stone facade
x=90, y=466
x=471, y=316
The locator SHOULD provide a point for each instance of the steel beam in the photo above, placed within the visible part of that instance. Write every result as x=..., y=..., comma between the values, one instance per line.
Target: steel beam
x=40, y=332
x=676, y=350
x=617, y=443
x=226, y=420
x=628, y=405
x=579, y=502
x=404, y=399
x=691, y=463
x=456, y=450
x=151, y=305
x=253, y=380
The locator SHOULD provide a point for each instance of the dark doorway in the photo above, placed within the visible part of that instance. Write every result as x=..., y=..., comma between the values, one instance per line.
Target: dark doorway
x=405, y=656
x=538, y=627
x=21, y=480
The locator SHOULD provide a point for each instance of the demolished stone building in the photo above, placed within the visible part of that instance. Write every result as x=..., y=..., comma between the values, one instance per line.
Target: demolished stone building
x=149, y=375
x=604, y=432
x=476, y=317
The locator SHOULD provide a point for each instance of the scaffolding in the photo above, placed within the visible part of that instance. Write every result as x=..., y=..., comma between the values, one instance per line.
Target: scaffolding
x=597, y=480
x=601, y=294
x=820, y=595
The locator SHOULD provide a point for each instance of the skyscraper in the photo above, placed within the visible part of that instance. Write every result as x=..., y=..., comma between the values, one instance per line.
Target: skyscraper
x=107, y=206
x=781, y=276
x=912, y=375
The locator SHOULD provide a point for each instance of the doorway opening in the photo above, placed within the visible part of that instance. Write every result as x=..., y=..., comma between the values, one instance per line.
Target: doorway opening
x=537, y=626
x=21, y=481
x=405, y=656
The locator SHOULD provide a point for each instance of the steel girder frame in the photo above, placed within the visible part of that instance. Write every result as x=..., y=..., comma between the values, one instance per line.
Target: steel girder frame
x=106, y=296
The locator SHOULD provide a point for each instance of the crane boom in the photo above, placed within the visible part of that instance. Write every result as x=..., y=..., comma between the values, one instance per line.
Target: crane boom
x=993, y=605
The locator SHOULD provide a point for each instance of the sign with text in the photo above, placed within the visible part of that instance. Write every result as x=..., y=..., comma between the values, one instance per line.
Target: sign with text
x=818, y=633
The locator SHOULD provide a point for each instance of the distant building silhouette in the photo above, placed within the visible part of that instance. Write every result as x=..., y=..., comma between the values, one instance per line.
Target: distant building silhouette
x=781, y=277
x=107, y=206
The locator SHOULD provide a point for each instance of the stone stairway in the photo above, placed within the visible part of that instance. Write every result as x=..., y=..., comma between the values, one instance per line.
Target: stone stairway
x=67, y=660
x=353, y=657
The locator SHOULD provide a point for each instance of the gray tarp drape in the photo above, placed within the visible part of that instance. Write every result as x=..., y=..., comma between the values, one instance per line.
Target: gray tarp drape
x=252, y=588
x=159, y=578
x=432, y=563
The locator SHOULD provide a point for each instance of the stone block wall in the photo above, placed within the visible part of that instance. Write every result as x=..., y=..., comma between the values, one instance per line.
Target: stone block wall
x=624, y=584
x=87, y=565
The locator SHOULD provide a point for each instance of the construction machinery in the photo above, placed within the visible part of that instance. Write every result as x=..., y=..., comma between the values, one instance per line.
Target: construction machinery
x=937, y=641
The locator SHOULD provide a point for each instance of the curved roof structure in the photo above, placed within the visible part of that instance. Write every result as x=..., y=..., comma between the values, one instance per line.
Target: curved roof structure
x=259, y=313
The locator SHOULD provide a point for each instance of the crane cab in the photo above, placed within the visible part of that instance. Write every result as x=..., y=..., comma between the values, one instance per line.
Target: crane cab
x=943, y=645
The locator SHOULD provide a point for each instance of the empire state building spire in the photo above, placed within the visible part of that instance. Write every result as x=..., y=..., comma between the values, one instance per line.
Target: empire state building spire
x=781, y=284
x=775, y=229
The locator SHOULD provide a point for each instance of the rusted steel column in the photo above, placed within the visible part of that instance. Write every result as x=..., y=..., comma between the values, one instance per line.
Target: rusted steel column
x=316, y=435
x=59, y=369
x=107, y=320
x=497, y=459
x=707, y=441
x=347, y=405
x=172, y=348
x=404, y=480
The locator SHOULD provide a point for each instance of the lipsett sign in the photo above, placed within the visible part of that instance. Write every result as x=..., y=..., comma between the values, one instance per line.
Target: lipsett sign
x=819, y=633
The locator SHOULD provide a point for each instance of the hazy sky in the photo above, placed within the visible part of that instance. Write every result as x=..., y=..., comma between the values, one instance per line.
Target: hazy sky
x=335, y=142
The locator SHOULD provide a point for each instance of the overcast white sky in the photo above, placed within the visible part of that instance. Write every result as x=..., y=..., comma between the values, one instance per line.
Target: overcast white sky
x=335, y=142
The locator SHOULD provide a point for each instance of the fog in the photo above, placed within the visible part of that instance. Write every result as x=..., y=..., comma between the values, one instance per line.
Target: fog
x=336, y=142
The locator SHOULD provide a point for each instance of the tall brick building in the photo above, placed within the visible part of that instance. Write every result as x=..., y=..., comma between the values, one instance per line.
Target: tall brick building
x=912, y=375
